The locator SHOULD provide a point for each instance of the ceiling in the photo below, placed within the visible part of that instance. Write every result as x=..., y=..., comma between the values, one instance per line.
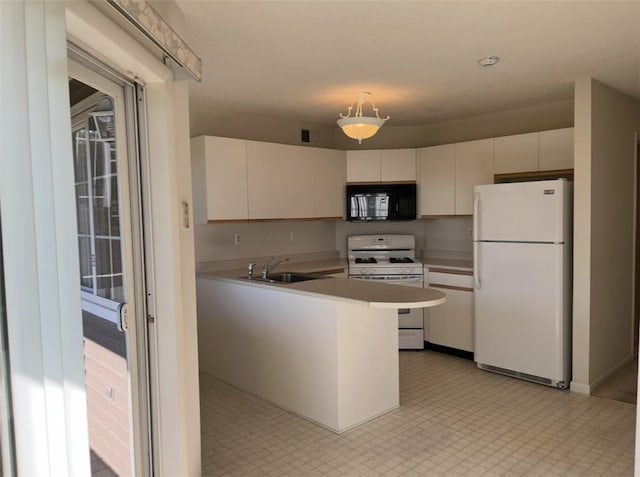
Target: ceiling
x=304, y=61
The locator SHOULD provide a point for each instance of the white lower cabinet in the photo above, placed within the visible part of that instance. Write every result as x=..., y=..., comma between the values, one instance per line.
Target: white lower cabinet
x=451, y=324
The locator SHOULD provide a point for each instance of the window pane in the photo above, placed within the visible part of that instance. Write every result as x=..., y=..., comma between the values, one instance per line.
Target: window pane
x=86, y=273
x=114, y=210
x=97, y=206
x=80, y=155
x=82, y=209
x=109, y=268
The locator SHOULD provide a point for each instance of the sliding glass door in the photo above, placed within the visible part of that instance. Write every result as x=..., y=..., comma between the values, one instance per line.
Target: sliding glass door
x=111, y=275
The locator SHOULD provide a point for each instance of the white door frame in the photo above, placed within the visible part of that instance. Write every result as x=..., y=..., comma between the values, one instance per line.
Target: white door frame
x=40, y=243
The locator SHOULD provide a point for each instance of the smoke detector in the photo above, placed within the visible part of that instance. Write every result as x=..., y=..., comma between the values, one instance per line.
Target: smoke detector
x=488, y=61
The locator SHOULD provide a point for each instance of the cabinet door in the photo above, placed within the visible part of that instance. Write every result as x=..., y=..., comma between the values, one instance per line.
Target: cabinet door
x=517, y=153
x=297, y=165
x=451, y=324
x=398, y=165
x=329, y=182
x=266, y=181
x=556, y=149
x=474, y=166
x=363, y=166
x=280, y=181
x=437, y=180
x=219, y=172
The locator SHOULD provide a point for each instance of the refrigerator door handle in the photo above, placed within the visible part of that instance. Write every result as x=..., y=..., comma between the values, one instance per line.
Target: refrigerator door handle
x=476, y=265
x=476, y=259
x=476, y=209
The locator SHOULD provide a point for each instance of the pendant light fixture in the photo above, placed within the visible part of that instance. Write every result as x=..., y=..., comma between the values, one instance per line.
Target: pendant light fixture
x=358, y=126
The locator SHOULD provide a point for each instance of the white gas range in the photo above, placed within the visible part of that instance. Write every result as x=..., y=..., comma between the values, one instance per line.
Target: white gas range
x=390, y=259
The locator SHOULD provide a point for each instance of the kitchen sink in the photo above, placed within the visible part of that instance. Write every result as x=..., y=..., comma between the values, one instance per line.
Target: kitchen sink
x=293, y=277
x=288, y=277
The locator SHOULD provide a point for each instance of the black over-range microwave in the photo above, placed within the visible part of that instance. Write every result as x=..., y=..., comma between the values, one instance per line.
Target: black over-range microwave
x=367, y=202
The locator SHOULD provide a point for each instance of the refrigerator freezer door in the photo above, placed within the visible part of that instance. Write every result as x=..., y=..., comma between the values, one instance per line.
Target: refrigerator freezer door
x=522, y=212
x=520, y=309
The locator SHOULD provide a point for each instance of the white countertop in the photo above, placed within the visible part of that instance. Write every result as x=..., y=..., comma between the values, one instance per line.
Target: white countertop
x=375, y=295
x=453, y=264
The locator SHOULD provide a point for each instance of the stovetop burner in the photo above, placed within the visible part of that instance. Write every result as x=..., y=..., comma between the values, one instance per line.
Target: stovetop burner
x=366, y=260
x=400, y=260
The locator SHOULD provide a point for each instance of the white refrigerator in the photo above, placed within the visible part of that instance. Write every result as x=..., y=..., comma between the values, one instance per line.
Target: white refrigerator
x=522, y=280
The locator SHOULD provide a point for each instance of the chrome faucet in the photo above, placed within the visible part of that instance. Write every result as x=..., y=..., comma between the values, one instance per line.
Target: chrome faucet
x=270, y=265
x=250, y=270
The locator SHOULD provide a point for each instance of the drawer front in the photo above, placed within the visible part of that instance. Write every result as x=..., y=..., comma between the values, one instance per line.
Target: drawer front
x=410, y=339
x=457, y=280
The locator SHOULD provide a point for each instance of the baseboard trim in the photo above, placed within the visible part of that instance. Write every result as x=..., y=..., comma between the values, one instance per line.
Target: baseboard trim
x=447, y=350
x=580, y=388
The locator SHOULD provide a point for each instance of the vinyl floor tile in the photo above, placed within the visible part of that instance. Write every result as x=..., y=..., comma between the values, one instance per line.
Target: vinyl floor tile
x=454, y=419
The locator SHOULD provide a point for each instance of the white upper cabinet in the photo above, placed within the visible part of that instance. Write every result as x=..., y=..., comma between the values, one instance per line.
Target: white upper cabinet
x=474, y=166
x=516, y=153
x=398, y=165
x=540, y=151
x=280, y=181
x=219, y=177
x=363, y=166
x=236, y=179
x=436, y=193
x=448, y=174
x=329, y=182
x=381, y=165
x=556, y=149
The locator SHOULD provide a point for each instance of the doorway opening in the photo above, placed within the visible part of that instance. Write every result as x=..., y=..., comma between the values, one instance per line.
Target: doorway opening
x=111, y=277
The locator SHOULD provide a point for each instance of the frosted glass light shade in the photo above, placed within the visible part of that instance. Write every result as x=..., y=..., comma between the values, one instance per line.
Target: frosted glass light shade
x=360, y=127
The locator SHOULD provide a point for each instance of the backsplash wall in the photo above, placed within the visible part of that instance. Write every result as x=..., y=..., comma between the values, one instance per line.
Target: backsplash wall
x=448, y=238
x=215, y=242
x=434, y=237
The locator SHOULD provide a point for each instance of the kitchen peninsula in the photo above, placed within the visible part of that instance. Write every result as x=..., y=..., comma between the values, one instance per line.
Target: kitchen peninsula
x=324, y=349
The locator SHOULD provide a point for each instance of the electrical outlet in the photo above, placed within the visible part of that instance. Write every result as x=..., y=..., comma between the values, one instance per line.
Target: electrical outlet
x=236, y=239
x=470, y=233
x=292, y=236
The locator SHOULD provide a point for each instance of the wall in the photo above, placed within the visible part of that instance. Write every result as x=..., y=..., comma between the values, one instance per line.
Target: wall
x=215, y=242
x=449, y=238
x=262, y=239
x=258, y=128
x=534, y=118
x=605, y=121
x=108, y=414
x=503, y=123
